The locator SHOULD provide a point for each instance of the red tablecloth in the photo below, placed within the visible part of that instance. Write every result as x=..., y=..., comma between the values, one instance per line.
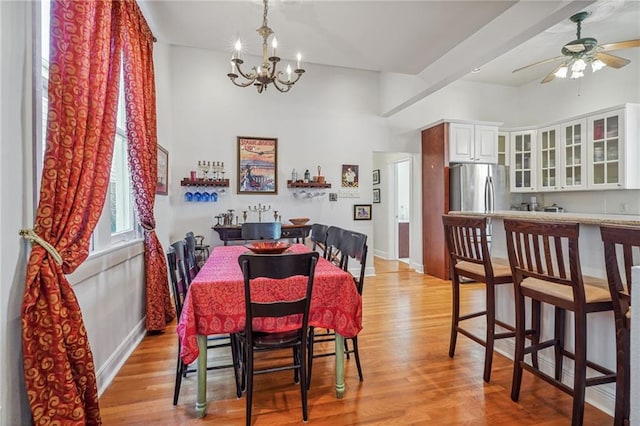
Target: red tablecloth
x=215, y=300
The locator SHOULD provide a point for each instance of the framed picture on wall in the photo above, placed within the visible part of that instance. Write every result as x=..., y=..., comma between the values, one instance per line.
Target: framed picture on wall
x=362, y=212
x=257, y=165
x=350, y=176
x=376, y=176
x=162, y=184
x=376, y=195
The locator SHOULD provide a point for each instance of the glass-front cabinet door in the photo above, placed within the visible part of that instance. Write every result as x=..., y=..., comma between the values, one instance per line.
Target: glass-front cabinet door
x=523, y=161
x=503, y=148
x=548, y=154
x=574, y=157
x=605, y=150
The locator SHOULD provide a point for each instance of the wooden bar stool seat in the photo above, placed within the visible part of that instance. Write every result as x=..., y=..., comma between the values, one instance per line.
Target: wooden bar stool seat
x=545, y=261
x=468, y=247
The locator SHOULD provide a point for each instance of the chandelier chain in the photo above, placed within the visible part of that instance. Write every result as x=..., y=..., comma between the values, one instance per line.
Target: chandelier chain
x=264, y=13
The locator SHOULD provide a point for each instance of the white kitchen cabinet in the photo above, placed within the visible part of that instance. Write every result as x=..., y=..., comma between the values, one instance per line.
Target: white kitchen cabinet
x=547, y=171
x=523, y=161
x=473, y=143
x=573, y=155
x=613, y=155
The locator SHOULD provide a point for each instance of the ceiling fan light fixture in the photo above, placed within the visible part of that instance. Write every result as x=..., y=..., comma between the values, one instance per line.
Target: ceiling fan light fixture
x=578, y=66
x=597, y=65
x=562, y=72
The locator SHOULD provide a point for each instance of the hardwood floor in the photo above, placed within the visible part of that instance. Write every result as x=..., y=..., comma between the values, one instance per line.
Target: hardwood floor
x=408, y=375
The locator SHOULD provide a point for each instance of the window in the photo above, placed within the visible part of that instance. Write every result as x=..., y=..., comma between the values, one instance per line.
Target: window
x=117, y=223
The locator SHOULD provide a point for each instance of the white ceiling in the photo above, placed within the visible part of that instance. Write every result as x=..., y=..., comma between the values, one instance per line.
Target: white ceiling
x=399, y=36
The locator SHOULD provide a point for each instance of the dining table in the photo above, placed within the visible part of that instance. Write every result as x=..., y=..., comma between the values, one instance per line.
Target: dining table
x=215, y=304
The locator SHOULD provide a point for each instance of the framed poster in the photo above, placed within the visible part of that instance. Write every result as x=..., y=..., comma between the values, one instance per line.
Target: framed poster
x=257, y=165
x=362, y=212
x=349, y=176
x=162, y=183
x=376, y=195
x=376, y=176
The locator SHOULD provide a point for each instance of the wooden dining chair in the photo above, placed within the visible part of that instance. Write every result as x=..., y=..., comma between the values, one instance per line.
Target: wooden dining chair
x=180, y=251
x=179, y=286
x=191, y=261
x=332, y=246
x=545, y=261
x=352, y=246
x=202, y=250
x=319, y=237
x=277, y=267
x=621, y=252
x=261, y=231
x=466, y=238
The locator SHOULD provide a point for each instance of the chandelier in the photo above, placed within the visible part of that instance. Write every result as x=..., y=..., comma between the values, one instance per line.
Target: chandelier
x=264, y=74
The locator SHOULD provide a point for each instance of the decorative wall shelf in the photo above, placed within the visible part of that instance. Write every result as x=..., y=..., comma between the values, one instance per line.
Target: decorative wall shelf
x=299, y=184
x=201, y=182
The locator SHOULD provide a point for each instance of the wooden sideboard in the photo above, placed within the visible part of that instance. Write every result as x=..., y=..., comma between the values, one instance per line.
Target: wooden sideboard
x=234, y=232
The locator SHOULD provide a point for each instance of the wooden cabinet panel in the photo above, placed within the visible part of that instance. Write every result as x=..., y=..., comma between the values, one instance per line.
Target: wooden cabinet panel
x=435, y=200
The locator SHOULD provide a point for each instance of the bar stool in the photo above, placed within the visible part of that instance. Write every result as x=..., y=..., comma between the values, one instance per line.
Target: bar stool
x=466, y=238
x=627, y=239
x=545, y=261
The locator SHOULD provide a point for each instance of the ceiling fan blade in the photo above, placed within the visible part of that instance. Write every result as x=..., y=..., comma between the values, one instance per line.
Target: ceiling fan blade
x=551, y=75
x=546, y=61
x=612, y=60
x=627, y=44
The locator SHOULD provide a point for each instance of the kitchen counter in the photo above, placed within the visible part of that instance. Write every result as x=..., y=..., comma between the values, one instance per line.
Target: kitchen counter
x=583, y=218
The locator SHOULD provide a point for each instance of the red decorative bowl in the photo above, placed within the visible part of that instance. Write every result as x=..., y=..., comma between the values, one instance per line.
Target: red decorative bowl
x=268, y=247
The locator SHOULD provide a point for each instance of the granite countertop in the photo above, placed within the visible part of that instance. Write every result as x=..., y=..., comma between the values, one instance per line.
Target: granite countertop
x=585, y=218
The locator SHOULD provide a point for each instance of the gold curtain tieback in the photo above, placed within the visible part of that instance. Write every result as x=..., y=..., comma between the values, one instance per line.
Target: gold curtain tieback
x=29, y=234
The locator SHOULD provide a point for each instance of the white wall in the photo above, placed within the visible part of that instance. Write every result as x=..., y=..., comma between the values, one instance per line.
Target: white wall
x=14, y=205
x=328, y=119
x=162, y=67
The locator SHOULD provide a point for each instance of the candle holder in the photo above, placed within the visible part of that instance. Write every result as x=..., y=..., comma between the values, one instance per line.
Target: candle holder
x=260, y=209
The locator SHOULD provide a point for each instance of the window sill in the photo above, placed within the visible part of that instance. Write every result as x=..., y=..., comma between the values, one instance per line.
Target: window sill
x=100, y=261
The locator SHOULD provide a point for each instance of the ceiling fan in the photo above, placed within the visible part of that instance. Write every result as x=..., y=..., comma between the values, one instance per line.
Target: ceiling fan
x=579, y=53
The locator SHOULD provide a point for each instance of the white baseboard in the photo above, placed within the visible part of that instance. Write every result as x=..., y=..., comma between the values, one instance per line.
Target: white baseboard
x=381, y=253
x=602, y=397
x=107, y=372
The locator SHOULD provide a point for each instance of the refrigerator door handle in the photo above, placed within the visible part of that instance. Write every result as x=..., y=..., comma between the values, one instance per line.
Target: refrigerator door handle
x=489, y=195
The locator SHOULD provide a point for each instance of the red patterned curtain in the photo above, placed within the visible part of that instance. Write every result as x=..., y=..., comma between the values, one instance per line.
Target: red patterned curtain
x=83, y=95
x=143, y=157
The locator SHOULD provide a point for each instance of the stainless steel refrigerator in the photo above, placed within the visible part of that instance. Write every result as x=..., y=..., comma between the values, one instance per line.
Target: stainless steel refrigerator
x=480, y=188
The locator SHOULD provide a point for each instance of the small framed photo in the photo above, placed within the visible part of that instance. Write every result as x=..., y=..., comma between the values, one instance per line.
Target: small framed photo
x=362, y=212
x=333, y=196
x=162, y=183
x=376, y=195
x=376, y=176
